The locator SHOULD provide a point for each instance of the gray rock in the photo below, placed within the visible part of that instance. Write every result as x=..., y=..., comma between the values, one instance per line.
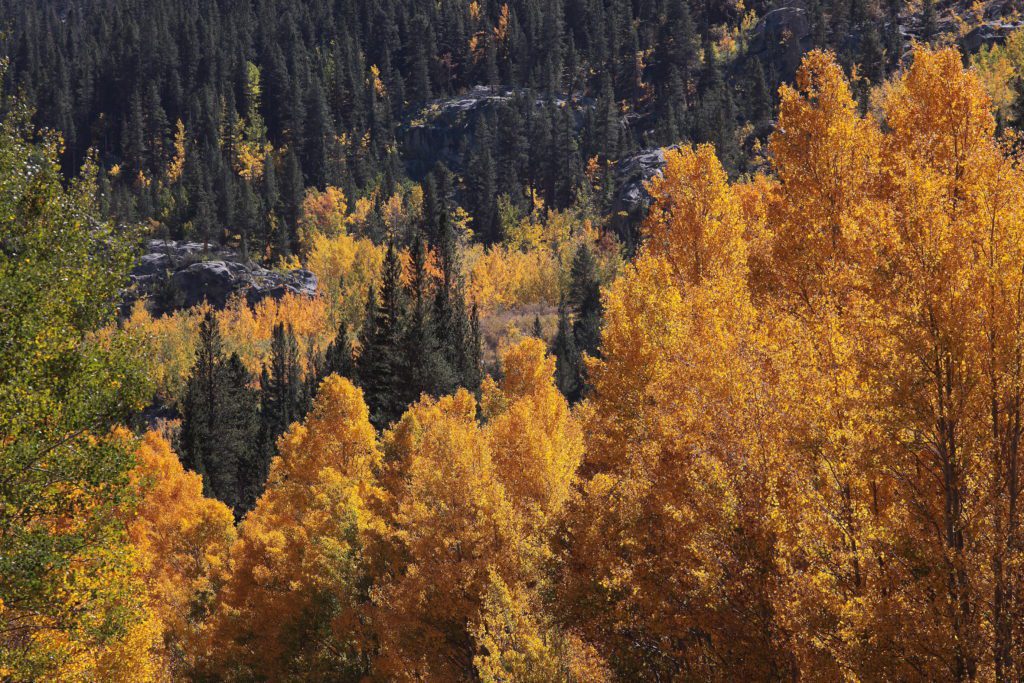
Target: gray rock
x=441, y=129
x=173, y=275
x=632, y=173
x=990, y=33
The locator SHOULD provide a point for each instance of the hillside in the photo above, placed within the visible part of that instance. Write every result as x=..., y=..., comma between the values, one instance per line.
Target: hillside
x=526, y=341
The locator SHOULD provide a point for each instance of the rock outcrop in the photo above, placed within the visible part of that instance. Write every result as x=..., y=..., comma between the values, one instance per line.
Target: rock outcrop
x=174, y=275
x=442, y=129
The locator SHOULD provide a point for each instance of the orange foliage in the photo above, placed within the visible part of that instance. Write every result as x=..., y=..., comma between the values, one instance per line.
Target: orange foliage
x=182, y=541
x=289, y=606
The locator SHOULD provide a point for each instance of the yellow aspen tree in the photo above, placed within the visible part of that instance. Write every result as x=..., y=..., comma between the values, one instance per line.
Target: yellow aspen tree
x=450, y=524
x=291, y=606
x=535, y=442
x=681, y=472
x=822, y=211
x=182, y=542
x=825, y=156
x=515, y=642
x=937, y=320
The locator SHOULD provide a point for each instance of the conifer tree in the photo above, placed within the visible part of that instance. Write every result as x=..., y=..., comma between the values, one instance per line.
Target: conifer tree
x=283, y=401
x=338, y=359
x=584, y=300
x=218, y=425
x=569, y=363
x=482, y=184
x=426, y=369
x=380, y=363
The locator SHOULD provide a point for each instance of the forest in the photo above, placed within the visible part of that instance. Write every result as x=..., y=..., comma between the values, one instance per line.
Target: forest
x=575, y=340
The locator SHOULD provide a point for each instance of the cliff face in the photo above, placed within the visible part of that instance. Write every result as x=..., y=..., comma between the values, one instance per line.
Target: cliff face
x=173, y=275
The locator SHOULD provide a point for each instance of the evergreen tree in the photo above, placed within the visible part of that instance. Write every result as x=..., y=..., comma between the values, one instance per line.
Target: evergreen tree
x=568, y=360
x=283, y=400
x=380, y=365
x=202, y=394
x=482, y=184
x=760, y=105
x=716, y=120
x=240, y=425
x=338, y=359
x=584, y=300
x=426, y=369
x=292, y=193
x=218, y=425
x=928, y=20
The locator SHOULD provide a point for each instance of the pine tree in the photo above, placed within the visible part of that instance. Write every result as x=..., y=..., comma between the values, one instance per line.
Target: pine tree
x=928, y=20
x=292, y=193
x=338, y=359
x=240, y=426
x=133, y=140
x=218, y=426
x=282, y=401
x=453, y=326
x=565, y=168
x=202, y=394
x=760, y=105
x=716, y=120
x=569, y=362
x=426, y=369
x=584, y=299
x=482, y=184
x=380, y=363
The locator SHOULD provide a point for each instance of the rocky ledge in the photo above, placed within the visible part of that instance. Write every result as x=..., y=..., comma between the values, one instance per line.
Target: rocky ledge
x=173, y=275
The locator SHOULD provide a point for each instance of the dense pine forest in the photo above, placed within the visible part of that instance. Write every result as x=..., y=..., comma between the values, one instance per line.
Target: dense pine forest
x=215, y=115
x=526, y=341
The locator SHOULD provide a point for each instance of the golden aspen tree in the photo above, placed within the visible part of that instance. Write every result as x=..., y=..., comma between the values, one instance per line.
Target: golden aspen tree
x=535, y=441
x=515, y=642
x=182, y=542
x=682, y=473
x=936, y=319
x=825, y=155
x=291, y=606
x=450, y=524
x=825, y=204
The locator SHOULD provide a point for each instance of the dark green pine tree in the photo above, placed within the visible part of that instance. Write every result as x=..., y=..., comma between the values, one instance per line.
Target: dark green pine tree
x=238, y=437
x=565, y=167
x=292, y=193
x=380, y=363
x=473, y=374
x=893, y=36
x=716, y=120
x=568, y=360
x=283, y=401
x=538, y=330
x=584, y=300
x=675, y=56
x=133, y=139
x=218, y=426
x=481, y=184
x=607, y=126
x=318, y=125
x=760, y=100
x=929, y=24
x=426, y=369
x=453, y=326
x=202, y=395
x=338, y=359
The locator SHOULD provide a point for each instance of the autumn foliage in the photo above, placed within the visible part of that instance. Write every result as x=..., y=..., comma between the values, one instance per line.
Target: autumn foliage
x=799, y=459
x=802, y=443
